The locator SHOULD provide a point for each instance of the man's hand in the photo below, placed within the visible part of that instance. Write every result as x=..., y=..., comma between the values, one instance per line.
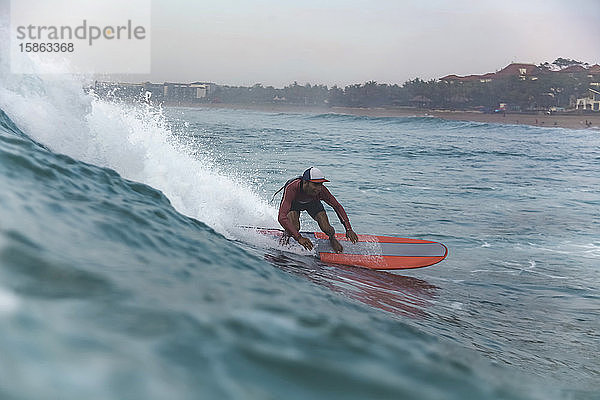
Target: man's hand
x=351, y=236
x=305, y=242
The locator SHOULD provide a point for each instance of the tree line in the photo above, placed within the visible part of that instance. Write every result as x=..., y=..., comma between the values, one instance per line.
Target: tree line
x=549, y=89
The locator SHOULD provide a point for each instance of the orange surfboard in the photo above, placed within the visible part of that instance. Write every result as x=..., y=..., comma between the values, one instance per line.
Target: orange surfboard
x=374, y=252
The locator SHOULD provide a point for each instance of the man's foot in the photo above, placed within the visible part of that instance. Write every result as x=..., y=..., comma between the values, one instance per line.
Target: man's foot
x=336, y=245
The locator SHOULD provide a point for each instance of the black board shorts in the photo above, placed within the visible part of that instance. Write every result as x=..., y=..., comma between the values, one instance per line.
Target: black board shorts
x=313, y=207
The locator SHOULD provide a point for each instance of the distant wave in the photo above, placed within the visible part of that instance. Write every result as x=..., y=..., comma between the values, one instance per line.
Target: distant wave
x=371, y=119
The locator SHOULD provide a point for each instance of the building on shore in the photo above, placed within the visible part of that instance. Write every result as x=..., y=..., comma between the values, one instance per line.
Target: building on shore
x=591, y=102
x=187, y=92
x=525, y=72
x=167, y=92
x=530, y=72
x=522, y=71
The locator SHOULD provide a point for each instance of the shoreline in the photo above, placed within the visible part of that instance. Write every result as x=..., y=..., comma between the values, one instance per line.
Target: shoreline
x=540, y=120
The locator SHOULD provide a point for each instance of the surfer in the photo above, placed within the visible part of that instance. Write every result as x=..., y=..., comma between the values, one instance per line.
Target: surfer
x=304, y=193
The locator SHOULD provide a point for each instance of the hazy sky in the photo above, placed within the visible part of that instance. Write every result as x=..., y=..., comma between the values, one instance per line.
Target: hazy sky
x=276, y=42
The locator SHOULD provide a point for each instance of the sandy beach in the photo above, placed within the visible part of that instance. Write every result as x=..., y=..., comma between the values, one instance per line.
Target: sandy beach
x=577, y=121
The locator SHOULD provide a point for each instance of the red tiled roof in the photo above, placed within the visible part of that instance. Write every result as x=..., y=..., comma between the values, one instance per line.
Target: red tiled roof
x=509, y=70
x=515, y=69
x=594, y=69
x=450, y=77
x=573, y=68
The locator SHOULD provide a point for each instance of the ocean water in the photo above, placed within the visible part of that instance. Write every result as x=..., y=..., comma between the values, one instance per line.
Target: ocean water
x=123, y=273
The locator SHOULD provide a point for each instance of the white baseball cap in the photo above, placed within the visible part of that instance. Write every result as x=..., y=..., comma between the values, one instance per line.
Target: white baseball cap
x=314, y=174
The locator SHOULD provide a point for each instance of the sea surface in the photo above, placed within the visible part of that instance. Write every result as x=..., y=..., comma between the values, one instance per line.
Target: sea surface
x=124, y=273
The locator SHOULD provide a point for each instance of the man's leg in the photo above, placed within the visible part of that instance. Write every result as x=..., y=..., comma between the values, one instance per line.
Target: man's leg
x=294, y=218
x=326, y=227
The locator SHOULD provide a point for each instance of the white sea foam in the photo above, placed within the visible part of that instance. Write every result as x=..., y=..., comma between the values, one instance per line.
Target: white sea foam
x=586, y=250
x=267, y=241
x=134, y=140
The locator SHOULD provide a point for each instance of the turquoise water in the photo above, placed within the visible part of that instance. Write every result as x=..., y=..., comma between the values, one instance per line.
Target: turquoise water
x=123, y=273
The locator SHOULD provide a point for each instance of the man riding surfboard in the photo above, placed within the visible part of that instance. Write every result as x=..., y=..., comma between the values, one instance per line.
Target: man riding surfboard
x=305, y=193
